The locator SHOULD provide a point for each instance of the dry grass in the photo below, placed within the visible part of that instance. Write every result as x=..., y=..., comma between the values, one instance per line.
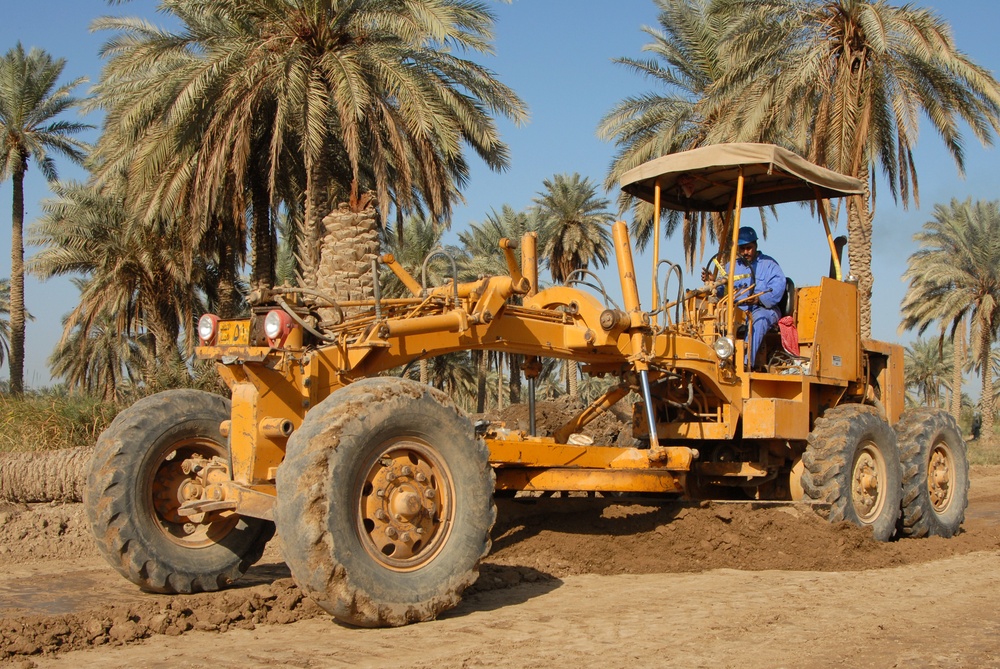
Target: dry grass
x=45, y=421
x=982, y=454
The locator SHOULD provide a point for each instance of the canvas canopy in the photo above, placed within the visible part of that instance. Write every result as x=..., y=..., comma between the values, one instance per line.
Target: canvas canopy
x=704, y=179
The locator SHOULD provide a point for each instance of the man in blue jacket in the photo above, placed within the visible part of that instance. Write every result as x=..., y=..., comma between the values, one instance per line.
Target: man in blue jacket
x=759, y=285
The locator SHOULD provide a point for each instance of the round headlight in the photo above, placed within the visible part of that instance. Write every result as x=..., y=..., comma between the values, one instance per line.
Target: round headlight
x=274, y=324
x=724, y=348
x=207, y=326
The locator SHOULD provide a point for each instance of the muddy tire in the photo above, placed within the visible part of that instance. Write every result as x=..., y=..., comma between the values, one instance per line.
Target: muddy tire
x=132, y=496
x=935, y=473
x=852, y=463
x=385, y=503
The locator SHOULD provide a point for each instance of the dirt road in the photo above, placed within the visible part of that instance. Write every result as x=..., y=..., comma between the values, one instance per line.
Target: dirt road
x=577, y=583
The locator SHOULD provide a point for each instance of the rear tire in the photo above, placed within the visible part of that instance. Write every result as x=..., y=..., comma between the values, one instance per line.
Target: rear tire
x=935, y=473
x=133, y=493
x=385, y=503
x=852, y=464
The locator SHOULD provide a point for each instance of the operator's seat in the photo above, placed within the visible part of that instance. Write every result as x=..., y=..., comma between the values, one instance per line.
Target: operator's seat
x=787, y=303
x=773, y=353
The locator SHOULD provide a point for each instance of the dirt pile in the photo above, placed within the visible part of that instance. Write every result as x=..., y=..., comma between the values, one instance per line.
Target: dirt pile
x=115, y=625
x=42, y=532
x=611, y=428
x=534, y=541
x=587, y=536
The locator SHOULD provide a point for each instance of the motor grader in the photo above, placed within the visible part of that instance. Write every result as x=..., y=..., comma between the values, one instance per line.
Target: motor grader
x=382, y=490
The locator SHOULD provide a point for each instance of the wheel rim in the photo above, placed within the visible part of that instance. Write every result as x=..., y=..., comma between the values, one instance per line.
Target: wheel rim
x=405, y=505
x=868, y=481
x=941, y=476
x=168, y=487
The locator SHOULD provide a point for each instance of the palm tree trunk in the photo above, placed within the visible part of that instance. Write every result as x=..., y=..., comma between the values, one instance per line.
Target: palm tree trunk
x=859, y=251
x=514, y=361
x=481, y=370
x=986, y=401
x=227, y=293
x=499, y=382
x=348, y=247
x=44, y=476
x=311, y=235
x=165, y=329
x=17, y=320
x=958, y=360
x=572, y=378
x=264, y=255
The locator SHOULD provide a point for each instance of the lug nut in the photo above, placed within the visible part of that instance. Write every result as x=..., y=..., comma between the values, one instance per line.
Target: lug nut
x=420, y=477
x=381, y=515
x=430, y=494
x=406, y=471
x=390, y=532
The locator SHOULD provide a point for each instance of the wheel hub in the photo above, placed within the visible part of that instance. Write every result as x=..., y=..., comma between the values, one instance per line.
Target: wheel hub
x=405, y=506
x=940, y=477
x=173, y=482
x=868, y=475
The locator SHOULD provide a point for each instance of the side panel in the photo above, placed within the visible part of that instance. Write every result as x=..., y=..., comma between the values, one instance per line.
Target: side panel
x=828, y=326
x=775, y=418
x=886, y=361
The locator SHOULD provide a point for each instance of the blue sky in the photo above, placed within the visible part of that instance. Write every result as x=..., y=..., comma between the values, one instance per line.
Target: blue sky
x=557, y=54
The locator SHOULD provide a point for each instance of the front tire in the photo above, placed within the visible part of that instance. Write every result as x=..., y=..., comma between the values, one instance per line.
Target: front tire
x=935, y=473
x=134, y=489
x=852, y=463
x=385, y=503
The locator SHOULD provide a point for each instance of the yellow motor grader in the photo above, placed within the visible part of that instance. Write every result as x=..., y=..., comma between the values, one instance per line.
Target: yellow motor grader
x=382, y=490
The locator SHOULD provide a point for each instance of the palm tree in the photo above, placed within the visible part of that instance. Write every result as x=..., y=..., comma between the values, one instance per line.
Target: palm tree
x=688, y=58
x=29, y=105
x=575, y=223
x=135, y=273
x=480, y=244
x=995, y=370
x=845, y=82
x=183, y=161
x=451, y=373
x=410, y=244
x=4, y=319
x=927, y=363
x=481, y=241
x=357, y=96
x=959, y=341
x=956, y=274
x=94, y=356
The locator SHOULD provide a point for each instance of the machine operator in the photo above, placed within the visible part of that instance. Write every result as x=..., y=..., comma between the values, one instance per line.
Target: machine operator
x=759, y=285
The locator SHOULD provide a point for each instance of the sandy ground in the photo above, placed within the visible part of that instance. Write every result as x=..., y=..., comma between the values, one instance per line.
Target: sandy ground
x=569, y=583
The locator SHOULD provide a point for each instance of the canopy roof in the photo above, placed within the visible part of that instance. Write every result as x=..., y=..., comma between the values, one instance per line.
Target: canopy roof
x=704, y=179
